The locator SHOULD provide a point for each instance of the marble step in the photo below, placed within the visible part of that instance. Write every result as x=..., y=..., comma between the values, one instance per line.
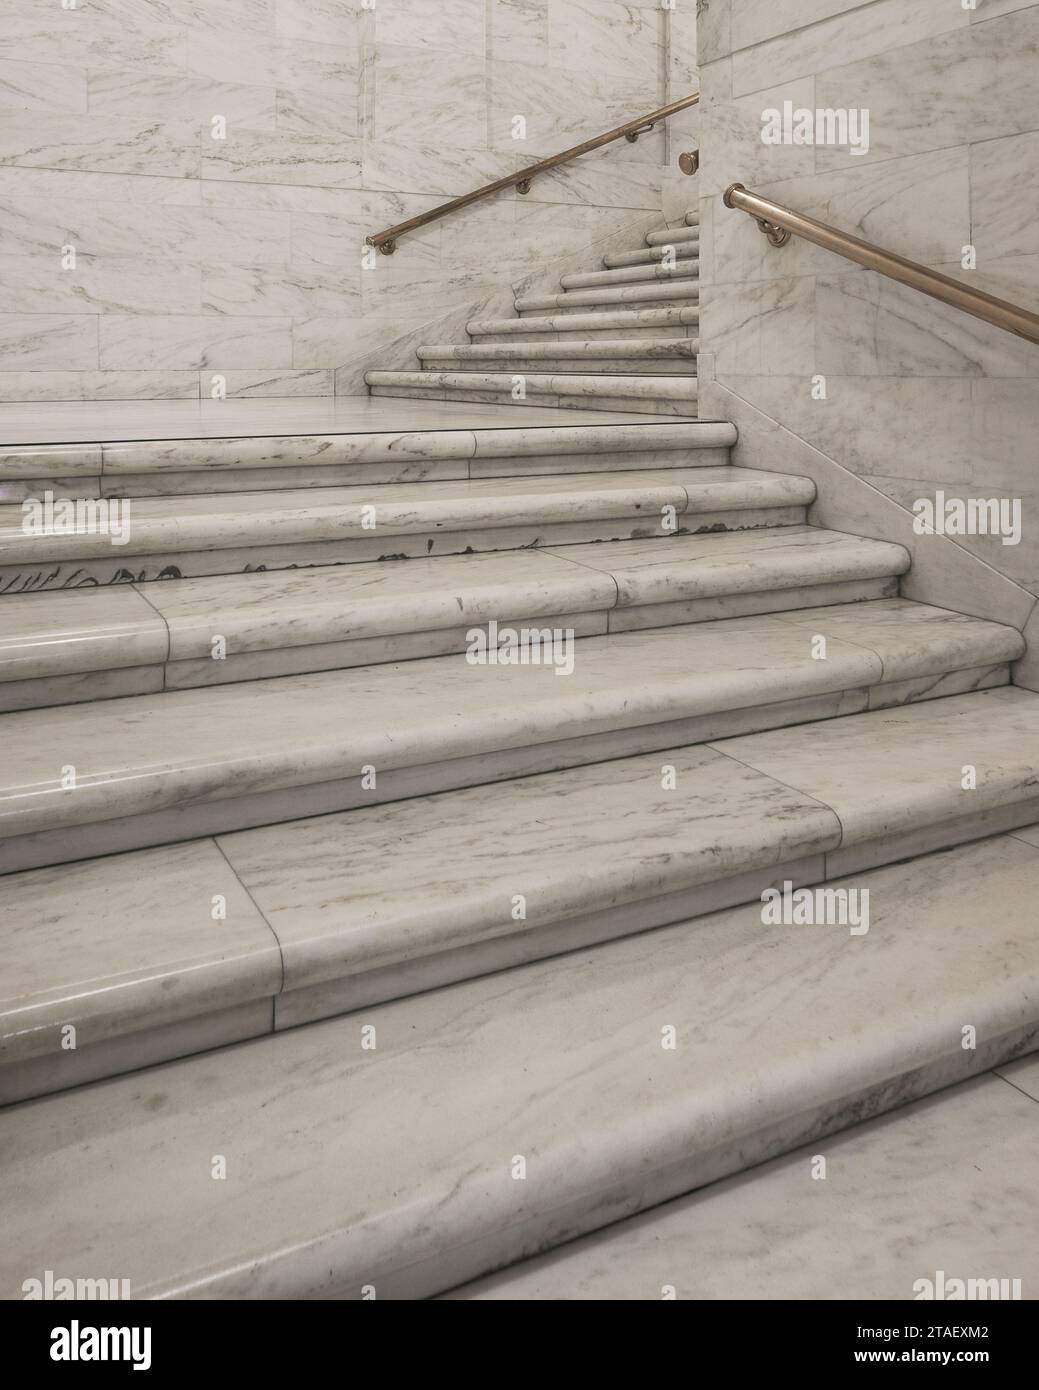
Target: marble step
x=688, y=269
x=83, y=780
x=596, y=852
x=671, y=356
x=674, y=292
x=178, y=537
x=772, y=1234
x=634, y=321
x=666, y=394
x=692, y=219
x=91, y=644
x=429, y=1141
x=159, y=467
x=676, y=236
x=606, y=350
x=683, y=249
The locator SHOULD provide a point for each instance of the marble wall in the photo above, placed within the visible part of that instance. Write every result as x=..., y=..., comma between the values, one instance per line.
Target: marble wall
x=242, y=256
x=919, y=397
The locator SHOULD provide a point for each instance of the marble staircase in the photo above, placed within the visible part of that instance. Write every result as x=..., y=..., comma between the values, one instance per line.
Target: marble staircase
x=401, y=930
x=623, y=337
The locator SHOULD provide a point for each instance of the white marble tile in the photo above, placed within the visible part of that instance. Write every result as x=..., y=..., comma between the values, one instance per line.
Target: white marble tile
x=119, y=945
x=89, y=388
x=605, y=37
x=210, y=341
x=131, y=1052
x=861, y=31
x=106, y=145
x=588, y=841
x=275, y=291
x=113, y=285
x=258, y=156
x=518, y=30
x=459, y=27
x=371, y=1194
x=309, y=606
x=690, y=567
x=48, y=341
x=131, y=94
x=27, y=86
x=915, y=94
x=898, y=768
x=57, y=634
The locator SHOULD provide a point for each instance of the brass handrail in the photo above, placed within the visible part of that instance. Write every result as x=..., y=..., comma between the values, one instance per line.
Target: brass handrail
x=387, y=241
x=778, y=223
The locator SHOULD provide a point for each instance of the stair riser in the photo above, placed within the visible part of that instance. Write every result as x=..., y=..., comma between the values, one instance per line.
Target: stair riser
x=192, y=812
x=123, y=1042
x=248, y=659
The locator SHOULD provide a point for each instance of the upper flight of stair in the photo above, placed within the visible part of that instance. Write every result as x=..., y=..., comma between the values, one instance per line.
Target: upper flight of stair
x=623, y=338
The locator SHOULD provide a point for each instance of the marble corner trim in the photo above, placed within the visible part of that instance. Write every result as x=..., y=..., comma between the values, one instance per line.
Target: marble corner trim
x=943, y=573
x=367, y=1193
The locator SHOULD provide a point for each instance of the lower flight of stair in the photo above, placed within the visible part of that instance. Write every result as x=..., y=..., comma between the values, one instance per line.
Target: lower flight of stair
x=399, y=1152
x=99, y=643
x=161, y=952
x=653, y=394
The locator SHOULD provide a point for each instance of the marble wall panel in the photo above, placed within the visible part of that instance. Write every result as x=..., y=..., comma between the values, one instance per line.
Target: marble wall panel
x=908, y=394
x=216, y=165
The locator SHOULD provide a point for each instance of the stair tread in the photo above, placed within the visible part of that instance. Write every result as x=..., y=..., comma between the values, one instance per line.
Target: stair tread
x=332, y=1189
x=153, y=752
x=970, y=1149
x=90, y=629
